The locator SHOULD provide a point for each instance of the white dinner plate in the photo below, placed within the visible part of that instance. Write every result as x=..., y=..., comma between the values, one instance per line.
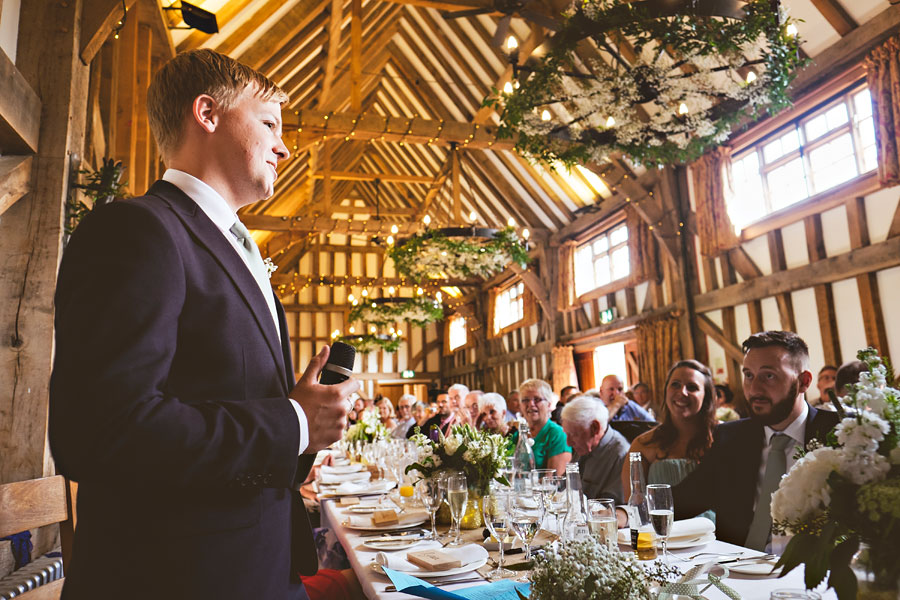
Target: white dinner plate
x=458, y=571
x=384, y=527
x=762, y=567
x=378, y=487
x=344, y=469
x=364, y=509
x=700, y=540
x=391, y=545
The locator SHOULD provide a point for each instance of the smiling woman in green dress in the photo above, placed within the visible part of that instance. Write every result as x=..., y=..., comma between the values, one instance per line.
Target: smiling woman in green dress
x=673, y=449
x=550, y=448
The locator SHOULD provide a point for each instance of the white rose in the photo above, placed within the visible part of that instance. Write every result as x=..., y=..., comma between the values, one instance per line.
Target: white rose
x=804, y=492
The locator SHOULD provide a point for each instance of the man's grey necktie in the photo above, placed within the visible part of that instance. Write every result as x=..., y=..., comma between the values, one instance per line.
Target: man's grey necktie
x=776, y=465
x=251, y=252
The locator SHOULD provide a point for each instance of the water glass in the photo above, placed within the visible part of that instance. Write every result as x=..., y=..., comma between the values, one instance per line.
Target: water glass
x=662, y=512
x=458, y=498
x=431, y=492
x=495, y=508
x=541, y=488
x=602, y=521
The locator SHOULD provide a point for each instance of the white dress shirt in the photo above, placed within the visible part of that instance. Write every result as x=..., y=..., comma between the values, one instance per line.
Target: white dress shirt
x=797, y=432
x=223, y=217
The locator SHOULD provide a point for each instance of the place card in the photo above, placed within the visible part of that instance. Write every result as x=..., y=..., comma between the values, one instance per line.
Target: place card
x=434, y=560
x=385, y=517
x=349, y=500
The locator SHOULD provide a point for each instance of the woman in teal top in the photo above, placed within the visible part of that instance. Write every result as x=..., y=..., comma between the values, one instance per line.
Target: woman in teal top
x=671, y=450
x=550, y=449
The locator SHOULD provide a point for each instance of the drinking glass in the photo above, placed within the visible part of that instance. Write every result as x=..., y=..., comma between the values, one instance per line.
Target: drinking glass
x=431, y=491
x=525, y=522
x=495, y=507
x=602, y=521
x=662, y=512
x=457, y=498
x=541, y=488
x=558, y=503
x=507, y=472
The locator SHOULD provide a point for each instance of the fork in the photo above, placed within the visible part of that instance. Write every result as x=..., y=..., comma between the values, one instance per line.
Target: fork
x=699, y=554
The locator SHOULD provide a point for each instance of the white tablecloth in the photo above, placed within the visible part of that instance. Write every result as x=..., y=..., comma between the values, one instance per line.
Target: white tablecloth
x=374, y=584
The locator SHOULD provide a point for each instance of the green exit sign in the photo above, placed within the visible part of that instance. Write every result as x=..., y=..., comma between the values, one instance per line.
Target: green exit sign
x=408, y=374
x=608, y=315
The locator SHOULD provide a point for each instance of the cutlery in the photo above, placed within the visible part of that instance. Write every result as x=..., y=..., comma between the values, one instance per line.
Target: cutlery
x=392, y=588
x=749, y=559
x=396, y=532
x=699, y=554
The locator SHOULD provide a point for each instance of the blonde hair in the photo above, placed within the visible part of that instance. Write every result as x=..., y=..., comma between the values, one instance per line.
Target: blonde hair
x=191, y=74
x=541, y=387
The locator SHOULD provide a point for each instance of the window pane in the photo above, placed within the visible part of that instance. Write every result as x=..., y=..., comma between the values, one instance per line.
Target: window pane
x=837, y=116
x=867, y=141
x=783, y=145
x=601, y=271
x=862, y=103
x=787, y=184
x=870, y=158
x=833, y=163
x=618, y=235
x=816, y=128
x=601, y=245
x=584, y=271
x=747, y=204
x=457, y=332
x=621, y=266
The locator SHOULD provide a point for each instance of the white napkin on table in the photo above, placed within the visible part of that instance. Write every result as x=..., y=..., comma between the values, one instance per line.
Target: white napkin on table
x=685, y=529
x=348, y=468
x=343, y=477
x=403, y=519
x=397, y=560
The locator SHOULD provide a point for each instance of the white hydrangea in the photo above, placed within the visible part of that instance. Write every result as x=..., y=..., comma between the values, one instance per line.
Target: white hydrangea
x=451, y=444
x=862, y=433
x=864, y=467
x=804, y=492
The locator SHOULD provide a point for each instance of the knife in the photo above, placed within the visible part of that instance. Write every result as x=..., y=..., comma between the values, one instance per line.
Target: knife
x=395, y=533
x=749, y=559
x=392, y=588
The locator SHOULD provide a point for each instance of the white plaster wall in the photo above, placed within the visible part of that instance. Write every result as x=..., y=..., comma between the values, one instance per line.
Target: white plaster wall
x=888, y=285
x=836, y=231
x=806, y=316
x=771, y=316
x=758, y=249
x=796, y=252
x=9, y=27
x=879, y=208
x=851, y=331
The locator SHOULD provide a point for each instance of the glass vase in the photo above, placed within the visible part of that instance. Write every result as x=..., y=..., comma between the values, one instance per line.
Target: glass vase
x=877, y=574
x=473, y=517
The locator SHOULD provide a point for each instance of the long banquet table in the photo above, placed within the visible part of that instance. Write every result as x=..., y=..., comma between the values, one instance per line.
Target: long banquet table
x=374, y=584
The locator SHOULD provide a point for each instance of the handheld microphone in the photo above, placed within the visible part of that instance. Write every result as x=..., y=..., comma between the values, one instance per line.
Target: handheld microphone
x=340, y=364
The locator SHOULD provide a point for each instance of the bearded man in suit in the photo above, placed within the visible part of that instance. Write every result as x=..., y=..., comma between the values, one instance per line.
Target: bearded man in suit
x=173, y=401
x=740, y=471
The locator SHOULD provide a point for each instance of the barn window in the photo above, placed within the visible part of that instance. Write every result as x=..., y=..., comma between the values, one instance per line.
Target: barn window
x=457, y=332
x=602, y=260
x=510, y=307
x=824, y=148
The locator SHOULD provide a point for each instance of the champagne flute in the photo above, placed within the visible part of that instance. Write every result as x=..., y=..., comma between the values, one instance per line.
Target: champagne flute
x=431, y=491
x=602, y=521
x=457, y=497
x=495, y=507
x=662, y=512
x=525, y=523
x=541, y=488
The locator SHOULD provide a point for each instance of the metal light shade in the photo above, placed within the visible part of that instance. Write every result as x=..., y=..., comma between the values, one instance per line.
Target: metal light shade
x=199, y=19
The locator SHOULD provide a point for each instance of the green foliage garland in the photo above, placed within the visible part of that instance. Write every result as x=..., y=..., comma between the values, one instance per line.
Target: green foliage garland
x=432, y=255
x=419, y=310
x=367, y=342
x=705, y=42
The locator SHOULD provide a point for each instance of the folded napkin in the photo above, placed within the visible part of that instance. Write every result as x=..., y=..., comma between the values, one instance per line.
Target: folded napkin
x=344, y=477
x=339, y=469
x=397, y=560
x=685, y=529
x=364, y=487
x=403, y=519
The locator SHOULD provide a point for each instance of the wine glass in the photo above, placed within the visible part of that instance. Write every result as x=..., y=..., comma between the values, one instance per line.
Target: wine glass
x=431, y=491
x=602, y=521
x=457, y=498
x=558, y=502
x=662, y=512
x=495, y=507
x=525, y=522
x=541, y=488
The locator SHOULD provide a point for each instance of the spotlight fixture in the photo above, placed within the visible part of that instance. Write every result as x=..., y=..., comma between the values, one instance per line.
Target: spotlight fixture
x=196, y=18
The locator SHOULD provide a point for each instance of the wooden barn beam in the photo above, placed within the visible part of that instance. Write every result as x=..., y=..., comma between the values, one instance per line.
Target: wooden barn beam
x=836, y=15
x=223, y=16
x=783, y=300
x=355, y=52
x=867, y=283
x=15, y=179
x=20, y=111
x=867, y=259
x=324, y=225
x=316, y=280
x=382, y=177
x=282, y=31
x=314, y=125
x=331, y=56
x=98, y=20
x=831, y=344
x=715, y=332
x=448, y=5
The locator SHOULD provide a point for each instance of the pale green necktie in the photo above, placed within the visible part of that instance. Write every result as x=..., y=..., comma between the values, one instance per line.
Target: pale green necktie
x=776, y=465
x=251, y=252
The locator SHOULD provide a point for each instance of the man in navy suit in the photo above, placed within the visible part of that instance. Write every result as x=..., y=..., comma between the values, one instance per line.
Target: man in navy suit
x=172, y=400
x=736, y=475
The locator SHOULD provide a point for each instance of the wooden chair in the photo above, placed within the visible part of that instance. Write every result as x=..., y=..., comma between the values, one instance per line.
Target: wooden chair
x=632, y=429
x=26, y=505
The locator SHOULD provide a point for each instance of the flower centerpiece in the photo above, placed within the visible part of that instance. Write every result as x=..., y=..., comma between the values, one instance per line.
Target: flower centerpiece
x=367, y=429
x=588, y=570
x=847, y=491
x=478, y=454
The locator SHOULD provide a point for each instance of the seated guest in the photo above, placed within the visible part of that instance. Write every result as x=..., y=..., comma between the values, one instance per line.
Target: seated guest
x=358, y=407
x=457, y=394
x=442, y=420
x=550, y=449
x=565, y=394
x=674, y=448
x=513, y=408
x=847, y=375
x=405, y=419
x=601, y=449
x=619, y=406
x=492, y=410
x=420, y=414
x=740, y=471
x=641, y=393
x=386, y=413
x=825, y=381
x=469, y=412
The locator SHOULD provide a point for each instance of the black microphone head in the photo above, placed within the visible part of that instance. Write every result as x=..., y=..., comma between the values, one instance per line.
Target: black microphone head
x=342, y=355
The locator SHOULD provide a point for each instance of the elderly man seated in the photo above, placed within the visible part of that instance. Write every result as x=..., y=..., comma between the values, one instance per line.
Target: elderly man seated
x=601, y=449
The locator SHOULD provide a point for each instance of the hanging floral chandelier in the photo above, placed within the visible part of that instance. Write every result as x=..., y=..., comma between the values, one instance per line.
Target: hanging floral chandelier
x=419, y=310
x=659, y=81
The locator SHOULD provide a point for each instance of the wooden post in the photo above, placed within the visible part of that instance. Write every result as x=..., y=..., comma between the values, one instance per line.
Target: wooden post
x=867, y=283
x=31, y=234
x=126, y=113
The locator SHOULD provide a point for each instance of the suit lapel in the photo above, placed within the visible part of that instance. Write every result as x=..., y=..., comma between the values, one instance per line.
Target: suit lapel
x=285, y=345
x=208, y=235
x=811, y=431
x=749, y=449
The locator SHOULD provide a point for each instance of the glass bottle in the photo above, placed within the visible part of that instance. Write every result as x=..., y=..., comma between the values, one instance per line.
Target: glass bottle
x=638, y=516
x=522, y=461
x=576, y=522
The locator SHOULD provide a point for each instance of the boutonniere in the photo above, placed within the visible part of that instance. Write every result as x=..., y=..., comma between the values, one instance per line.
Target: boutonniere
x=270, y=266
